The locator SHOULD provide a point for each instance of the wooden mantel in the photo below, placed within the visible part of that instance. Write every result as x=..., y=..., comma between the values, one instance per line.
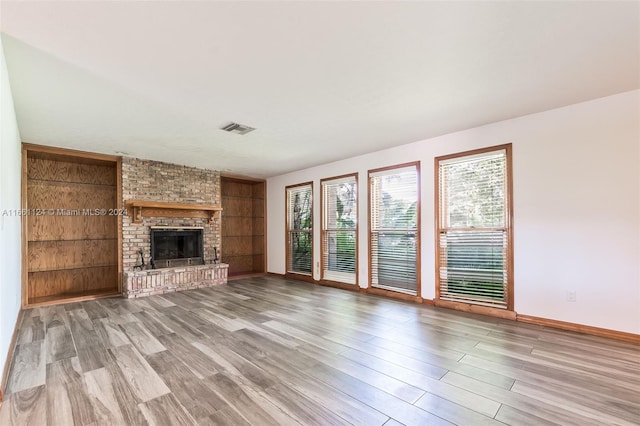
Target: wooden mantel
x=139, y=208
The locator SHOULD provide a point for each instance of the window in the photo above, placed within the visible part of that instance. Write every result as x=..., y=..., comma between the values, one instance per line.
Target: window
x=394, y=212
x=474, y=240
x=339, y=229
x=300, y=229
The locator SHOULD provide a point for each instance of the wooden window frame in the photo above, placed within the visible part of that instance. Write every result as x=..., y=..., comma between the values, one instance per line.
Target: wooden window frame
x=384, y=292
x=294, y=275
x=509, y=311
x=322, y=232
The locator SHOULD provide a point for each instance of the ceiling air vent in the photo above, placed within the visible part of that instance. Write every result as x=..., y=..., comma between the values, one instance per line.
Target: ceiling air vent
x=240, y=129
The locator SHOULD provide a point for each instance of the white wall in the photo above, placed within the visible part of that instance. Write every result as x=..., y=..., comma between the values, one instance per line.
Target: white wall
x=10, y=241
x=576, y=208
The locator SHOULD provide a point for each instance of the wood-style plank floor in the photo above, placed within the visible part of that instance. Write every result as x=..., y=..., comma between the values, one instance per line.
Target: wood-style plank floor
x=269, y=351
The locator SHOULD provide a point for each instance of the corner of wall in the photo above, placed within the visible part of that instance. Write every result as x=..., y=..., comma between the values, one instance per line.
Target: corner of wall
x=10, y=221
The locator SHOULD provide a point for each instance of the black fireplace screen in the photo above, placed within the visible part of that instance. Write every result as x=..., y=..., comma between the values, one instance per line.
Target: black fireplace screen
x=176, y=247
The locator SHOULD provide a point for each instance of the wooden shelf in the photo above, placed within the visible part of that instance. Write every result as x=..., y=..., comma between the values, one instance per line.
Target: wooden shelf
x=72, y=297
x=140, y=208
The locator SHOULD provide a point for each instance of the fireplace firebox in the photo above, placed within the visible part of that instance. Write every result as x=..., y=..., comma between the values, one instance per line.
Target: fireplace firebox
x=177, y=246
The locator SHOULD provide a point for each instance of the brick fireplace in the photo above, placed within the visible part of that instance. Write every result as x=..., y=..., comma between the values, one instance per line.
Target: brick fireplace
x=172, y=185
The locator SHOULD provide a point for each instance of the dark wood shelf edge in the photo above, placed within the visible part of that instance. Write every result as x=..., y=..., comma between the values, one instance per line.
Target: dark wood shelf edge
x=137, y=209
x=72, y=268
x=70, y=298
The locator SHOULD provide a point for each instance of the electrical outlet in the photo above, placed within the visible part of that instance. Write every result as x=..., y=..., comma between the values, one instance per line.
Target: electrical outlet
x=318, y=268
x=571, y=296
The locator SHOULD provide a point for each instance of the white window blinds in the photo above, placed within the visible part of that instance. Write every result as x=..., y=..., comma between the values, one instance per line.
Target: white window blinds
x=300, y=229
x=339, y=232
x=394, y=230
x=473, y=230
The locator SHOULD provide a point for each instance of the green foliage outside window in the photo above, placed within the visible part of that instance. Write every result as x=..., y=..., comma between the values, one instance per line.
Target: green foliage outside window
x=300, y=233
x=342, y=256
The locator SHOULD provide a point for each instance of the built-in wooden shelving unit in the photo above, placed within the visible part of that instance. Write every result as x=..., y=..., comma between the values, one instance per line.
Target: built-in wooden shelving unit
x=243, y=225
x=71, y=233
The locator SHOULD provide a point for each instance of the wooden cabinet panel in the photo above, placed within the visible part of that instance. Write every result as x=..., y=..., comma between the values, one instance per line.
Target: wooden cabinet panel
x=54, y=169
x=257, y=191
x=50, y=228
x=258, y=208
x=71, y=282
x=257, y=244
x=55, y=196
x=52, y=255
x=239, y=265
x=258, y=226
x=237, y=226
x=232, y=206
x=238, y=246
x=236, y=189
x=258, y=261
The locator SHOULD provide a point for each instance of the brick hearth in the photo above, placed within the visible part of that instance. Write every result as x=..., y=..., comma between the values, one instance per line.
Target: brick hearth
x=159, y=281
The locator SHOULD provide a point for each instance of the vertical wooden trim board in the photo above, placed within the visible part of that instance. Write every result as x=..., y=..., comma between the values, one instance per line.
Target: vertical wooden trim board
x=436, y=224
x=509, y=202
x=25, y=228
x=418, y=232
x=265, y=212
x=119, y=205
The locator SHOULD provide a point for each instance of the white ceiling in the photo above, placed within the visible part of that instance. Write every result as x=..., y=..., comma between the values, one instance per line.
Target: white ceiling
x=320, y=81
